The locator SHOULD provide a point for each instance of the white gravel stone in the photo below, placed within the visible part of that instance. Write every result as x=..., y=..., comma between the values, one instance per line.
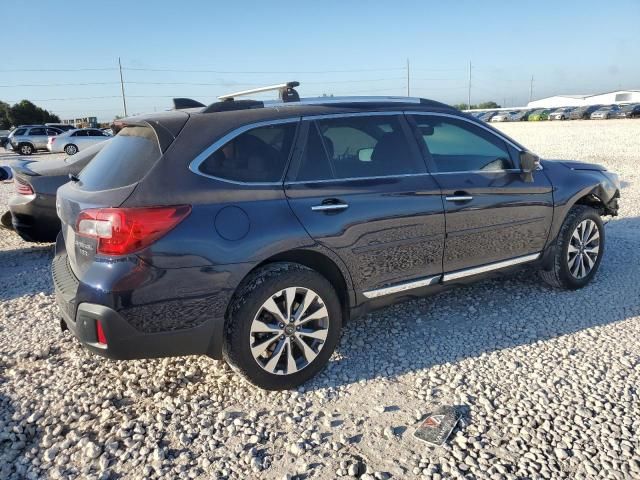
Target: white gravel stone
x=547, y=380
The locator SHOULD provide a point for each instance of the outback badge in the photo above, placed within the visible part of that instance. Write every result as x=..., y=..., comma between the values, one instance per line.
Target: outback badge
x=438, y=425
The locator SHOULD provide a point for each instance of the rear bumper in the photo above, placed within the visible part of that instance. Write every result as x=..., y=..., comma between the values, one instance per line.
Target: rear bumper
x=34, y=217
x=143, y=321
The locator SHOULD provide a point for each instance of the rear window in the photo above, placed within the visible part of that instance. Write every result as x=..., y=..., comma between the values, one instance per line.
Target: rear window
x=124, y=160
x=258, y=155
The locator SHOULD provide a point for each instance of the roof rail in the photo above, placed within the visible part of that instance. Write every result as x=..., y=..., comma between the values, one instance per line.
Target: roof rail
x=286, y=92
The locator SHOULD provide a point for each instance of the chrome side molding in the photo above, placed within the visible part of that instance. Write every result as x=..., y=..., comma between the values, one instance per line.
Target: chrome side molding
x=468, y=272
x=447, y=277
x=401, y=287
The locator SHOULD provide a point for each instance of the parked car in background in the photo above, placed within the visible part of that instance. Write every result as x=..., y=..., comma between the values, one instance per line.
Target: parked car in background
x=253, y=233
x=629, y=111
x=487, y=116
x=62, y=126
x=520, y=115
x=32, y=209
x=76, y=140
x=584, y=112
x=27, y=140
x=561, y=113
x=503, y=116
x=605, y=113
x=539, y=115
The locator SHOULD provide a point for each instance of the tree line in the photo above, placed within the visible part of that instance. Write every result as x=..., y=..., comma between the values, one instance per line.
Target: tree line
x=479, y=106
x=24, y=113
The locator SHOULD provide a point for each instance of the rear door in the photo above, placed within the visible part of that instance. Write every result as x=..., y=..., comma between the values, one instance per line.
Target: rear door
x=38, y=137
x=492, y=214
x=360, y=188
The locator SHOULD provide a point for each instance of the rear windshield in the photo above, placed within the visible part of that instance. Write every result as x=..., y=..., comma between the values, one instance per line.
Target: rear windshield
x=123, y=161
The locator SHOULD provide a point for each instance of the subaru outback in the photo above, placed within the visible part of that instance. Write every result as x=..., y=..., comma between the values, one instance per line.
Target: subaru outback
x=251, y=231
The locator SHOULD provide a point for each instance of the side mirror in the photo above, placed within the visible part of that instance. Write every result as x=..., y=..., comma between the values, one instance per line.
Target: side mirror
x=364, y=154
x=528, y=163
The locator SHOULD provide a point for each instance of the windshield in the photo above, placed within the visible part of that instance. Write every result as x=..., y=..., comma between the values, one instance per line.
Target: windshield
x=125, y=159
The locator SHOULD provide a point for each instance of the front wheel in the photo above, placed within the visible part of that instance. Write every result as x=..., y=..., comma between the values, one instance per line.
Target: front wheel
x=26, y=149
x=283, y=326
x=578, y=250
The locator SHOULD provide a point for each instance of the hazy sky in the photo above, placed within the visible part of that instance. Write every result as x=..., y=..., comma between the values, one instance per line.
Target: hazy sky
x=201, y=49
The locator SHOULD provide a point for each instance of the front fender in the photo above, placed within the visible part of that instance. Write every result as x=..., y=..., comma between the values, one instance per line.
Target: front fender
x=572, y=185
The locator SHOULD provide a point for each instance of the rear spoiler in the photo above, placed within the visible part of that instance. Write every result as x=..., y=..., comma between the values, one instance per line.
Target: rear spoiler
x=19, y=167
x=184, y=103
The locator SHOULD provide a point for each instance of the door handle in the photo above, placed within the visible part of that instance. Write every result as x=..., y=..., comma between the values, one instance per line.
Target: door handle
x=328, y=207
x=459, y=196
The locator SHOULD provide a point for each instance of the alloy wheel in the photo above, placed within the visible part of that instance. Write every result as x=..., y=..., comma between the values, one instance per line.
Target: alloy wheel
x=584, y=249
x=289, y=330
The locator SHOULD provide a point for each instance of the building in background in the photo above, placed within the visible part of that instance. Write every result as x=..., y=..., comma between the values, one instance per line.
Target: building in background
x=85, y=122
x=610, y=98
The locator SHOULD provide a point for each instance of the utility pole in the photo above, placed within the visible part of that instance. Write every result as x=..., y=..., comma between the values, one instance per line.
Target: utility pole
x=469, y=96
x=408, y=77
x=531, y=89
x=124, y=101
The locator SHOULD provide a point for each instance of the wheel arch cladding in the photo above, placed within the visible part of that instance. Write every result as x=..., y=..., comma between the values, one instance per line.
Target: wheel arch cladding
x=320, y=262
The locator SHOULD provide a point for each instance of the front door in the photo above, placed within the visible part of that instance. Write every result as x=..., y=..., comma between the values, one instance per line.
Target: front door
x=492, y=214
x=360, y=188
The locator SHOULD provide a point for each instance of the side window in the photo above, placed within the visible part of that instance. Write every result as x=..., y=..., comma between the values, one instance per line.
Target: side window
x=37, y=131
x=458, y=146
x=258, y=155
x=20, y=131
x=356, y=147
x=52, y=132
x=79, y=133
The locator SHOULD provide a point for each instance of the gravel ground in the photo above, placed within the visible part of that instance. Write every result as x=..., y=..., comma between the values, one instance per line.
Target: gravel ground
x=547, y=381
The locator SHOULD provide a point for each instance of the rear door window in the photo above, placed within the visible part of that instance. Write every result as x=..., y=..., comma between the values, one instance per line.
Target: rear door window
x=37, y=131
x=358, y=147
x=256, y=156
x=124, y=160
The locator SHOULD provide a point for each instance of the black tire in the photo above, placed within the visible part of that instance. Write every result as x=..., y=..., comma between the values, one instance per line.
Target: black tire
x=70, y=149
x=26, y=149
x=560, y=275
x=246, y=304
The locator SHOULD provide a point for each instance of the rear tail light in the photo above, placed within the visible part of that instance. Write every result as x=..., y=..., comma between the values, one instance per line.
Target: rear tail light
x=24, y=188
x=52, y=139
x=102, y=338
x=121, y=231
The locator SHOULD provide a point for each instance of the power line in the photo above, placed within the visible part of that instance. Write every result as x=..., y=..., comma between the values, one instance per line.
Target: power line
x=57, y=84
x=59, y=70
x=281, y=72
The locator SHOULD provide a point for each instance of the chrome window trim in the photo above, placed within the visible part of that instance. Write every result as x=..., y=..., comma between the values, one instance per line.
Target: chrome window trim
x=401, y=287
x=468, y=272
x=350, y=115
x=350, y=179
x=194, y=165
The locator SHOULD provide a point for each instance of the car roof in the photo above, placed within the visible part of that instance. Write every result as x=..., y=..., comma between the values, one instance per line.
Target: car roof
x=248, y=111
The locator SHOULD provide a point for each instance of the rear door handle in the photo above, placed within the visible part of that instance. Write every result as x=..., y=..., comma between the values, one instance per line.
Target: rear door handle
x=328, y=207
x=459, y=198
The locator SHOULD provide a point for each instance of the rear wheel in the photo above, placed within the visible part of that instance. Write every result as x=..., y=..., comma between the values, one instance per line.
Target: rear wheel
x=578, y=250
x=26, y=149
x=283, y=326
x=71, y=149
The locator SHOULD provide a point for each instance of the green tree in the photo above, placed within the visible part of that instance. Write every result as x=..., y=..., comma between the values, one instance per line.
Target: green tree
x=26, y=112
x=5, y=124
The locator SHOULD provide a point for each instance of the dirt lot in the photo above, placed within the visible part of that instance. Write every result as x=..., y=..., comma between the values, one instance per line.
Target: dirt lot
x=547, y=380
